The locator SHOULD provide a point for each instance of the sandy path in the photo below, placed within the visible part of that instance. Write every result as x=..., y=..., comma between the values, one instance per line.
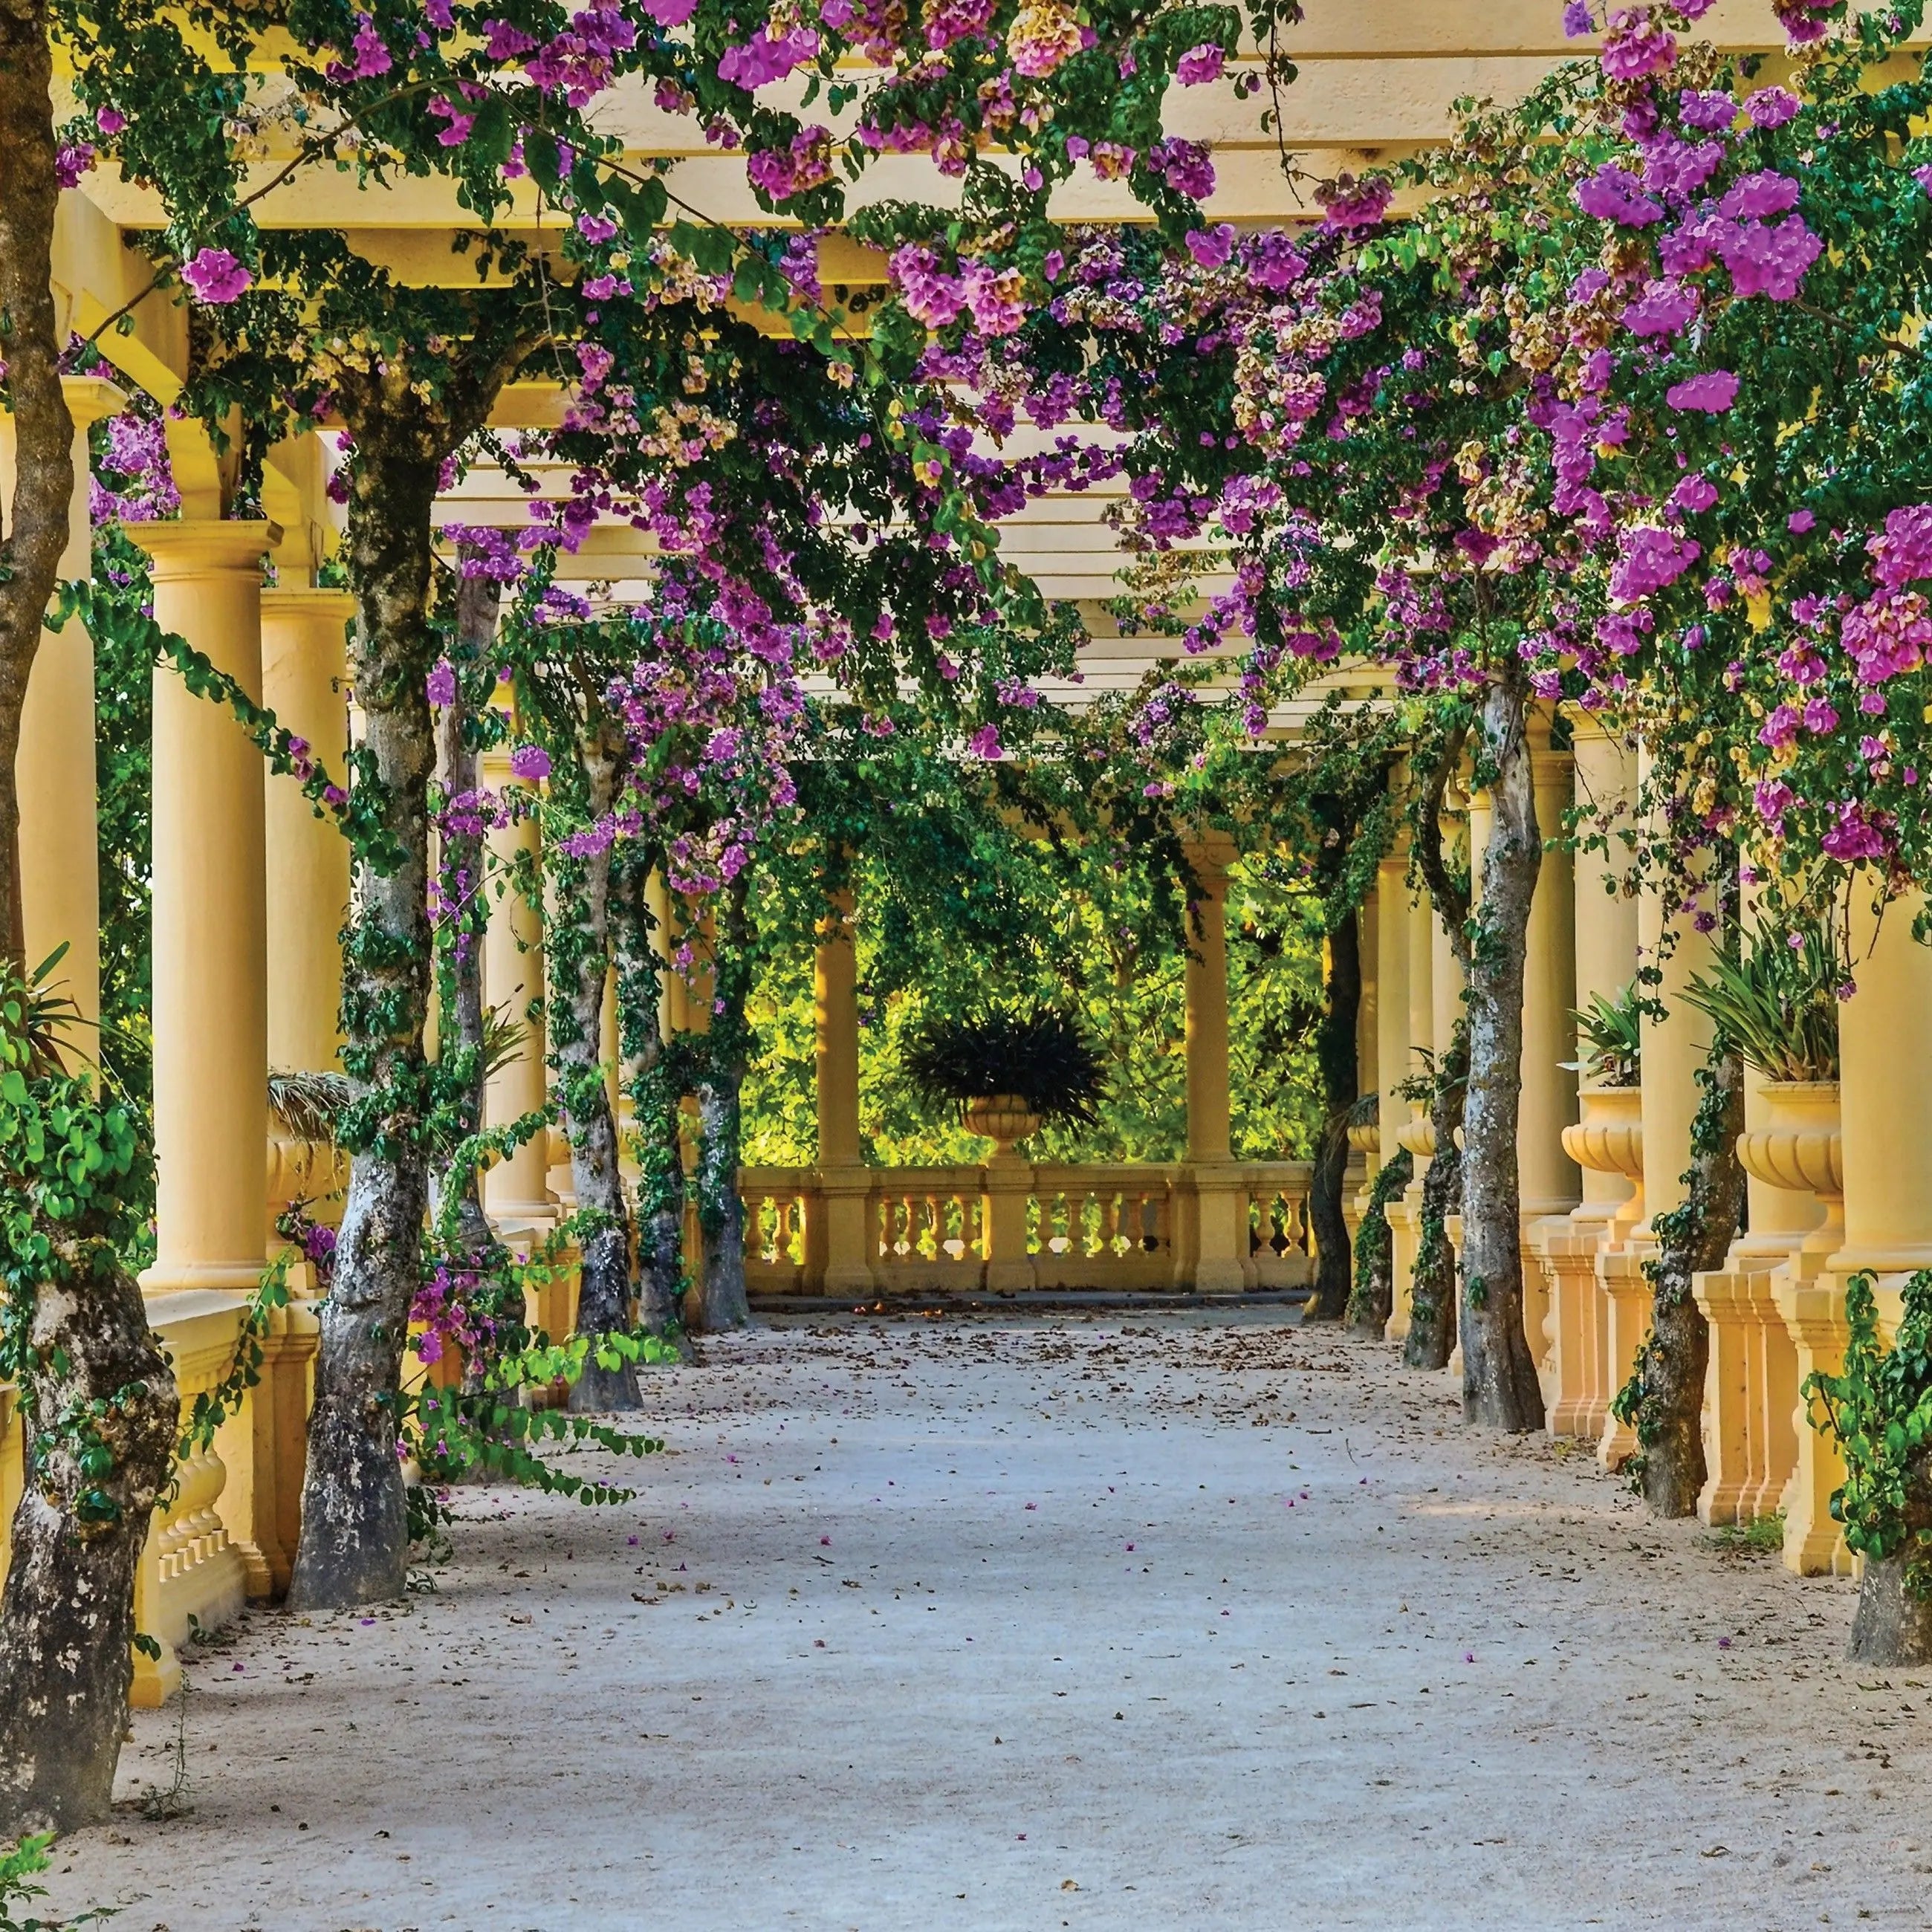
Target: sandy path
x=1114, y=1620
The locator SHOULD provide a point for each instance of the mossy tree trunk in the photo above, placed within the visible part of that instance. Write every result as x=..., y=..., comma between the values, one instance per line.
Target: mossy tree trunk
x=79, y=1339
x=1335, y=1054
x=1431, y=1294
x=721, y=1301
x=653, y=1076
x=1372, y=1301
x=580, y=958
x=1500, y=1388
x=462, y=866
x=1664, y=1400
x=354, y=1548
x=67, y=1617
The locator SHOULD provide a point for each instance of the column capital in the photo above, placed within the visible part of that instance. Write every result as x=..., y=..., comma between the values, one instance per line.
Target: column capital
x=90, y=398
x=200, y=546
x=307, y=600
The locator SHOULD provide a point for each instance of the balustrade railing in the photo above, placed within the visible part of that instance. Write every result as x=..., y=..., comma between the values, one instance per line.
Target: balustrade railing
x=1117, y=1227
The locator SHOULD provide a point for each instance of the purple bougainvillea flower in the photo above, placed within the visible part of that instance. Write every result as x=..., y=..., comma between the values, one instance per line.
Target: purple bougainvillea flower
x=1664, y=308
x=1211, y=247
x=1713, y=392
x=213, y=276
x=1199, y=65
x=1799, y=521
x=1615, y=194
x=530, y=763
x=1649, y=559
x=1771, y=107
x=441, y=684
x=1577, y=18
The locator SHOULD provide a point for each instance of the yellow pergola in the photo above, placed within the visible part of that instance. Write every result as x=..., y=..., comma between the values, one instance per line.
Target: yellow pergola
x=250, y=889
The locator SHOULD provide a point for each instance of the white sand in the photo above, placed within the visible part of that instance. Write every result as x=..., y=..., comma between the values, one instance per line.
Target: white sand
x=968, y=1623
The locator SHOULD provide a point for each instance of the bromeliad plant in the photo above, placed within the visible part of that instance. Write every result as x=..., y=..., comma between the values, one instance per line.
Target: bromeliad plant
x=1774, y=999
x=1041, y=1058
x=1610, y=1030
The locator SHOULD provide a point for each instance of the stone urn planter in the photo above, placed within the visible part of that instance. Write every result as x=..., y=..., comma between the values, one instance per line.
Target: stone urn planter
x=1366, y=1140
x=1609, y=1139
x=1418, y=1134
x=1801, y=1147
x=1004, y=1119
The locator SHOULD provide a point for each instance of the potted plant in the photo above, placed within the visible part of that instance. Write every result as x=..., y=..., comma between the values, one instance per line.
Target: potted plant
x=1608, y=1137
x=1775, y=999
x=1006, y=1073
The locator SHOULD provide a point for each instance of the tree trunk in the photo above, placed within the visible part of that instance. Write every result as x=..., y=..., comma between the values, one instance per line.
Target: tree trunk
x=1335, y=1055
x=652, y=1074
x=67, y=1619
x=1431, y=1294
x=579, y=955
x=1664, y=1400
x=354, y=1548
x=80, y=1344
x=1372, y=1301
x=461, y=878
x=1893, y=1624
x=721, y=1299
x=1500, y=1389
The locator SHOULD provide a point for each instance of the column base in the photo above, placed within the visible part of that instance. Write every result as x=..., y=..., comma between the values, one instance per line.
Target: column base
x=240, y=1277
x=1219, y=1278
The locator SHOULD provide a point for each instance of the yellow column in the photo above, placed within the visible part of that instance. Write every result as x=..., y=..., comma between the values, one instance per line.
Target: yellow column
x=305, y=674
x=1220, y=1220
x=304, y=667
x=54, y=771
x=1604, y=953
x=210, y=947
x=844, y=1186
x=1885, y=1047
x=515, y=1192
x=1392, y=1036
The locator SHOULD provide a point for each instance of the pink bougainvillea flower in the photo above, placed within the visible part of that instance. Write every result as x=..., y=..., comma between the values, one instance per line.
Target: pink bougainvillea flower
x=1199, y=65
x=1637, y=45
x=213, y=276
x=1349, y=203
x=1713, y=392
x=1614, y=194
x=1649, y=559
x=1904, y=554
x=1044, y=36
x=1664, y=308
x=1771, y=107
x=1211, y=247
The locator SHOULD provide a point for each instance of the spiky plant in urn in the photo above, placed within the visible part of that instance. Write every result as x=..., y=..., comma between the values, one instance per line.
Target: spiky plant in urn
x=1006, y=1073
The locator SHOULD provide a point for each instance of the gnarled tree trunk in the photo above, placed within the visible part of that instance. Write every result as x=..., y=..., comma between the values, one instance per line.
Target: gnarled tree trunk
x=67, y=1615
x=1372, y=1299
x=461, y=868
x=1431, y=1294
x=355, y=1535
x=580, y=959
x=721, y=1300
x=1500, y=1387
x=1668, y=1413
x=652, y=1075
x=1336, y=1055
x=66, y=1618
